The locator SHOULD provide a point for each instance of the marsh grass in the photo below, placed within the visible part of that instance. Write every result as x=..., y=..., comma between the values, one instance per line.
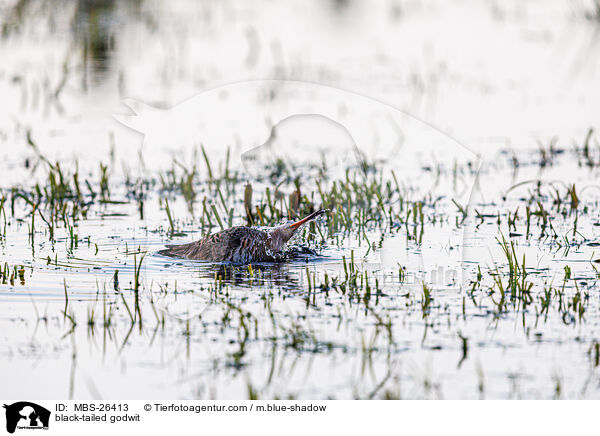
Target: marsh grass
x=343, y=309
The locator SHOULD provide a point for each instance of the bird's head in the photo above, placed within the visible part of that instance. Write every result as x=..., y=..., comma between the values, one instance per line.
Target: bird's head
x=280, y=235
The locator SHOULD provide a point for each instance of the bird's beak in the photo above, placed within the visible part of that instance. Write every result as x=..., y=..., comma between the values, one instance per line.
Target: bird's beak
x=308, y=218
x=282, y=234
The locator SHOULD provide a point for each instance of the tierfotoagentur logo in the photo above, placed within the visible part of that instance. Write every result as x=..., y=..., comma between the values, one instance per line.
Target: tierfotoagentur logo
x=261, y=126
x=27, y=416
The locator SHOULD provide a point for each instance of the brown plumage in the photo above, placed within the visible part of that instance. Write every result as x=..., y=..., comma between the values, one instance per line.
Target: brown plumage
x=240, y=244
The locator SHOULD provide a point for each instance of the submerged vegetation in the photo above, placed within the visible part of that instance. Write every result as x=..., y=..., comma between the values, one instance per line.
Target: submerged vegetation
x=360, y=309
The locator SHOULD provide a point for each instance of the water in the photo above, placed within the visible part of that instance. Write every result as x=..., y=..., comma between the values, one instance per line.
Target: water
x=392, y=306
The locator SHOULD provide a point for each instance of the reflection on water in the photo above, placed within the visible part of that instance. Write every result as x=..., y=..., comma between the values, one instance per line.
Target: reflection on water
x=95, y=26
x=91, y=54
x=283, y=274
x=94, y=31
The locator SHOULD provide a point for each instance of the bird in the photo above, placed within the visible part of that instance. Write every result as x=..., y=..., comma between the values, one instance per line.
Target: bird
x=241, y=244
